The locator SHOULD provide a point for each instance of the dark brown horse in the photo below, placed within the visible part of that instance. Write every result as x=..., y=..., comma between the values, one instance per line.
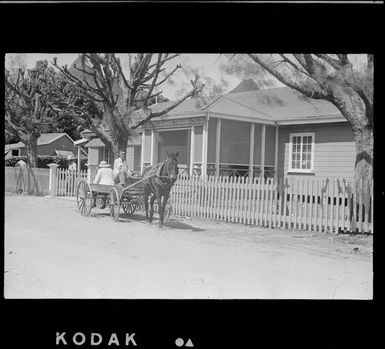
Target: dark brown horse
x=159, y=186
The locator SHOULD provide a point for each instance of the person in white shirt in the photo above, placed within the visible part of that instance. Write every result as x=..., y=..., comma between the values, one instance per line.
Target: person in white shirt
x=105, y=175
x=121, y=172
x=21, y=164
x=71, y=163
x=20, y=183
x=72, y=172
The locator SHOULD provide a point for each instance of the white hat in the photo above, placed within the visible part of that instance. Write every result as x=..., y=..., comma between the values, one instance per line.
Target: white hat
x=103, y=164
x=70, y=157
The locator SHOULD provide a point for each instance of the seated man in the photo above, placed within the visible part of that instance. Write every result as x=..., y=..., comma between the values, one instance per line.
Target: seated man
x=121, y=172
x=105, y=175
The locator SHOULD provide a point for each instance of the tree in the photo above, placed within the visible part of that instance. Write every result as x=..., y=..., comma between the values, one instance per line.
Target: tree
x=109, y=96
x=30, y=99
x=340, y=79
x=14, y=62
x=211, y=87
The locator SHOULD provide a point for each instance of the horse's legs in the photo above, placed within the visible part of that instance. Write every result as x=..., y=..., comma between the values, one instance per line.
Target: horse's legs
x=145, y=199
x=161, y=203
x=152, y=207
x=162, y=209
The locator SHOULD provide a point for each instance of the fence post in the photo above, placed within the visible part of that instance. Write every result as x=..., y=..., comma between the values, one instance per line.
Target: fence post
x=52, y=187
x=90, y=170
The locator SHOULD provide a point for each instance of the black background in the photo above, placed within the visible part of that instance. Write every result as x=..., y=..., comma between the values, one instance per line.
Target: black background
x=202, y=28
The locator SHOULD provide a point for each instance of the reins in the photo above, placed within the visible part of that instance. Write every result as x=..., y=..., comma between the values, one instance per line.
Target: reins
x=158, y=179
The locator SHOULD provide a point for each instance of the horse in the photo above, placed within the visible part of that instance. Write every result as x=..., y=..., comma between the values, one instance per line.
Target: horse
x=161, y=178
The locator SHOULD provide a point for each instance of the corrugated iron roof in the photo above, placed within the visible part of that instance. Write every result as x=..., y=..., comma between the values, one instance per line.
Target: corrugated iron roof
x=283, y=103
x=189, y=105
x=277, y=104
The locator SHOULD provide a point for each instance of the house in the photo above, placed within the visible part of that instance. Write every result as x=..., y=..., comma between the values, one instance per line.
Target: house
x=269, y=132
x=47, y=144
x=248, y=131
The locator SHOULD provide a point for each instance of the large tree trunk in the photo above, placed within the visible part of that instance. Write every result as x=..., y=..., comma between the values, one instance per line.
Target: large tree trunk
x=363, y=137
x=119, y=143
x=363, y=171
x=359, y=115
x=31, y=145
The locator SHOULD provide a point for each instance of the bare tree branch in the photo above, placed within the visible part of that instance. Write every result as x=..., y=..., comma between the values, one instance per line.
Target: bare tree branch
x=166, y=110
x=309, y=92
x=331, y=61
x=117, y=62
x=167, y=58
x=153, y=80
x=296, y=67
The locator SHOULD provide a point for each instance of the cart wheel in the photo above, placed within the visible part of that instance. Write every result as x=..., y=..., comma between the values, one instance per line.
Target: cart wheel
x=84, y=197
x=114, y=204
x=167, y=211
x=129, y=208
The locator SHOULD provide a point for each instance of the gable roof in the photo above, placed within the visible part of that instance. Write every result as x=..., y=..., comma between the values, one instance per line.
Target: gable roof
x=245, y=85
x=47, y=138
x=188, y=106
x=95, y=143
x=44, y=139
x=18, y=145
x=280, y=104
x=283, y=103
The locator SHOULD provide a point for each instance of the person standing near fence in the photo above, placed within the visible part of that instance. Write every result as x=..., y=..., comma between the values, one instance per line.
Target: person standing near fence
x=20, y=183
x=71, y=163
x=71, y=174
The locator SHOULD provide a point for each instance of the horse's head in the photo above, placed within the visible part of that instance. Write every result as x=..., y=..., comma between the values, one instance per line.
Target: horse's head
x=171, y=166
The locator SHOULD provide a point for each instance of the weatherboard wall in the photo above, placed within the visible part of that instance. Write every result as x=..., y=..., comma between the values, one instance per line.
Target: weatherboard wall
x=334, y=150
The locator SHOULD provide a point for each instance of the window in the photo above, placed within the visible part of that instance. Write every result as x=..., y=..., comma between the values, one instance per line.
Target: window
x=301, y=152
x=15, y=152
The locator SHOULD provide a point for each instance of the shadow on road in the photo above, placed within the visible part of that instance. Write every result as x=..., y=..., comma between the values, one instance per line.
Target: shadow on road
x=123, y=218
x=180, y=225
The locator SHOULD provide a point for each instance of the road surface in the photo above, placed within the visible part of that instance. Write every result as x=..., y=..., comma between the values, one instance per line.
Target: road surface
x=51, y=251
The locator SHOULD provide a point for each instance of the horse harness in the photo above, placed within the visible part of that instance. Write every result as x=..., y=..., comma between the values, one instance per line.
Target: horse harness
x=158, y=178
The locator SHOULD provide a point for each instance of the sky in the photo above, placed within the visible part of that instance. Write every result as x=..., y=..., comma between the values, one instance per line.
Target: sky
x=207, y=64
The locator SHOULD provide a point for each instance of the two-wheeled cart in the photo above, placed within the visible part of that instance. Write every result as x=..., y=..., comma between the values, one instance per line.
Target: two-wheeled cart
x=113, y=197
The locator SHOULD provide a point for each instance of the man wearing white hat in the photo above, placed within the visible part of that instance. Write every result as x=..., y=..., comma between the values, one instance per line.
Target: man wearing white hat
x=71, y=163
x=105, y=175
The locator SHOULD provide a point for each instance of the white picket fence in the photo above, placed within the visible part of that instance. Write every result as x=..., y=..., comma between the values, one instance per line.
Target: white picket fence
x=330, y=205
x=67, y=180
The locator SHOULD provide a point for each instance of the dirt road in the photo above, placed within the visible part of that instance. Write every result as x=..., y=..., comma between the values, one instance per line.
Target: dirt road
x=51, y=251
